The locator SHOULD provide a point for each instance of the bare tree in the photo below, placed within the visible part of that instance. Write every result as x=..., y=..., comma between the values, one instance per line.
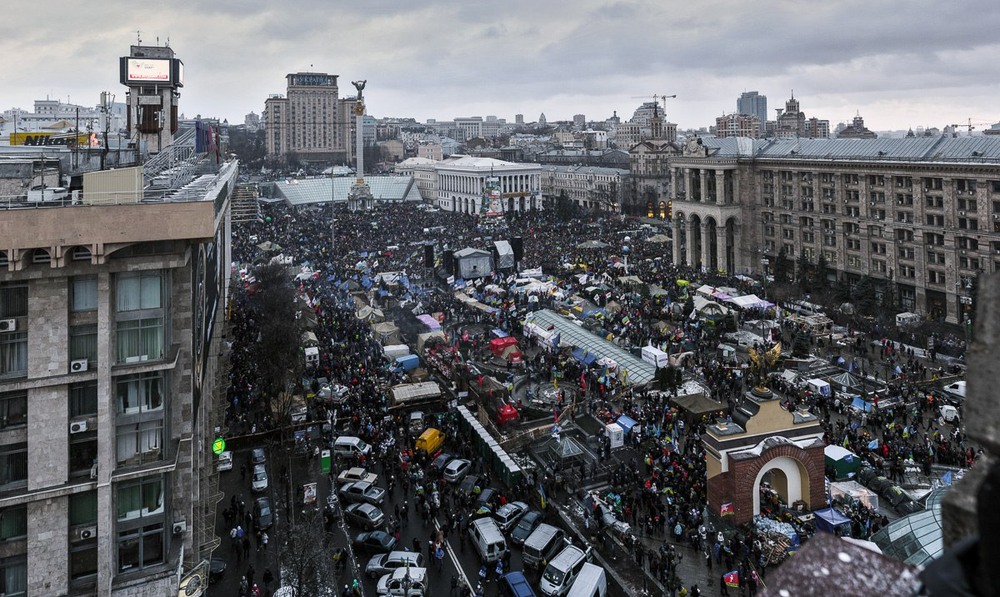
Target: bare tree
x=306, y=556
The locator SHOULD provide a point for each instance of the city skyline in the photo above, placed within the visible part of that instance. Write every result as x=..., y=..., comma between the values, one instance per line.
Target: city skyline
x=929, y=66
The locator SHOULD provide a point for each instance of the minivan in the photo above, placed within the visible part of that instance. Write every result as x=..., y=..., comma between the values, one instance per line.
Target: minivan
x=386, y=563
x=562, y=570
x=591, y=582
x=350, y=446
x=487, y=539
x=543, y=543
x=429, y=441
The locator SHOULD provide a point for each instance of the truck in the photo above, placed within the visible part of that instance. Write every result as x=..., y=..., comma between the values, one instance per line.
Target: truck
x=413, y=395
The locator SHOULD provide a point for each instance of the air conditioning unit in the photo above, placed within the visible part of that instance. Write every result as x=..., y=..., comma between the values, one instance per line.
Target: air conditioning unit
x=78, y=366
x=77, y=426
x=179, y=527
x=8, y=325
x=84, y=533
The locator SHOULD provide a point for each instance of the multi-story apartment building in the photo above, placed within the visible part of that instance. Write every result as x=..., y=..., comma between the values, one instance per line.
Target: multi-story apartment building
x=921, y=214
x=310, y=121
x=590, y=187
x=108, y=346
x=737, y=125
x=462, y=182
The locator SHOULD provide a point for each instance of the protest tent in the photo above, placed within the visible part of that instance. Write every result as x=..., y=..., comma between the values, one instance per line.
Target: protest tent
x=829, y=520
x=842, y=462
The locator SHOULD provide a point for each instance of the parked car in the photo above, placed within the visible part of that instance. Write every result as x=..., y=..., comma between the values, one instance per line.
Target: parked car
x=225, y=461
x=362, y=491
x=262, y=513
x=468, y=485
x=441, y=461
x=457, y=469
x=404, y=582
x=259, y=480
x=216, y=568
x=508, y=515
x=528, y=523
x=258, y=456
x=365, y=515
x=386, y=563
x=356, y=474
x=373, y=542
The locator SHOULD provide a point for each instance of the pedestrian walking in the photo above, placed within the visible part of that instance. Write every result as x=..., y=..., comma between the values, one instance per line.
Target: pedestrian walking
x=263, y=540
x=250, y=573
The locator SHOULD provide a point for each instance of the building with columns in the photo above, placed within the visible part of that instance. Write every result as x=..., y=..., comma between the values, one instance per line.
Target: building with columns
x=590, y=187
x=919, y=215
x=462, y=181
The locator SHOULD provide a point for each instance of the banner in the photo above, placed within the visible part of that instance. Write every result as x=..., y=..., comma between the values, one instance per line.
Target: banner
x=727, y=509
x=309, y=494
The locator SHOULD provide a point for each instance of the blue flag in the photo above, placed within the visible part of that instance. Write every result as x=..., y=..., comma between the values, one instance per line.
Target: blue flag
x=873, y=445
x=947, y=478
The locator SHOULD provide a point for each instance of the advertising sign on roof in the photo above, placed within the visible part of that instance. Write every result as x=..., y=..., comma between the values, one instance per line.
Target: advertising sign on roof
x=155, y=71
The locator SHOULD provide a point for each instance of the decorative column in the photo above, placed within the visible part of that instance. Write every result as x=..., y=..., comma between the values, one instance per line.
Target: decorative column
x=703, y=178
x=687, y=185
x=720, y=186
x=676, y=225
x=706, y=245
x=736, y=186
x=690, y=242
x=722, y=261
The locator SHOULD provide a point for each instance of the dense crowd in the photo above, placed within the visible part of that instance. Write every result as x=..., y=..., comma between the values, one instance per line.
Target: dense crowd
x=661, y=491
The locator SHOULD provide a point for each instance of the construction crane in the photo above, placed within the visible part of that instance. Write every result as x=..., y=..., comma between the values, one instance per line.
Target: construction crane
x=969, y=125
x=656, y=99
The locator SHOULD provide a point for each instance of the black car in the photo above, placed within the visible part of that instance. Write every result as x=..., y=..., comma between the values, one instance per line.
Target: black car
x=372, y=542
x=528, y=523
x=468, y=484
x=441, y=461
x=216, y=568
x=263, y=515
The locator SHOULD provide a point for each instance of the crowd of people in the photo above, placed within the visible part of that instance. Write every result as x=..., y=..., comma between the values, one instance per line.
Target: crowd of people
x=661, y=490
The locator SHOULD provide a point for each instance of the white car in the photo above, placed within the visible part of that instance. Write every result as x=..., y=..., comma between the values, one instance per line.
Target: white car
x=259, y=481
x=456, y=470
x=354, y=474
x=395, y=584
x=225, y=461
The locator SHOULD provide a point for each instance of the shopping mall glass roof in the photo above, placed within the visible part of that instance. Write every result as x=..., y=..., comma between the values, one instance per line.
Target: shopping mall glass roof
x=639, y=371
x=915, y=539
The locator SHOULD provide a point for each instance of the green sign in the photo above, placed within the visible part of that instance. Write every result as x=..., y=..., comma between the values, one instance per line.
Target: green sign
x=219, y=446
x=324, y=461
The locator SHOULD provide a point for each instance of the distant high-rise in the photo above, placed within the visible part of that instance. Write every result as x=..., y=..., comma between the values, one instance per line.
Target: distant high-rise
x=541, y=119
x=311, y=121
x=579, y=120
x=519, y=119
x=753, y=103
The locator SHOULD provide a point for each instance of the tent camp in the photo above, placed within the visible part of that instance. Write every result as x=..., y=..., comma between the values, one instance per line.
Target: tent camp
x=829, y=520
x=841, y=462
x=386, y=333
x=698, y=404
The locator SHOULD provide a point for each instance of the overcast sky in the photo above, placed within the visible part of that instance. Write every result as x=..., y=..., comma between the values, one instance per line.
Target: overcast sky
x=900, y=64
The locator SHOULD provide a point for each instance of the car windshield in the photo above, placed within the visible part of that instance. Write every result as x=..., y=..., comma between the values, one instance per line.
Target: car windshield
x=259, y=476
x=373, y=514
x=265, y=510
x=553, y=576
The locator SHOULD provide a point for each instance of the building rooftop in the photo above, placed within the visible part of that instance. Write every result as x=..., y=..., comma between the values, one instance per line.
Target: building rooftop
x=318, y=190
x=465, y=162
x=977, y=149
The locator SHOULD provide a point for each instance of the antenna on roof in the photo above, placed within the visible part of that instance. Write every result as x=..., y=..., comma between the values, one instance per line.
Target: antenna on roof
x=138, y=37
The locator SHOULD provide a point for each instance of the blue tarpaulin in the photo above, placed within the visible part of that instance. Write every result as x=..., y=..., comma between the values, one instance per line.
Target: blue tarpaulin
x=586, y=358
x=861, y=404
x=829, y=519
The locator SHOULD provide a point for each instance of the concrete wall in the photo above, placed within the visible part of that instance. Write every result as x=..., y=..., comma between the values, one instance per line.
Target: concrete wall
x=48, y=542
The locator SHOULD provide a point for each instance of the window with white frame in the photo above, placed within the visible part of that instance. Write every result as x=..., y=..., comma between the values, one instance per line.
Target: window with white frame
x=139, y=443
x=139, y=393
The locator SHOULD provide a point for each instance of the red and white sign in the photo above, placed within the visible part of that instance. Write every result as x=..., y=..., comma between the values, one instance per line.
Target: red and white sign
x=154, y=71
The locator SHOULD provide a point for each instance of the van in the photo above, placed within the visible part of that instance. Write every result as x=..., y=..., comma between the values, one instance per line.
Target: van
x=562, y=571
x=543, y=543
x=514, y=584
x=487, y=539
x=591, y=582
x=350, y=446
x=429, y=441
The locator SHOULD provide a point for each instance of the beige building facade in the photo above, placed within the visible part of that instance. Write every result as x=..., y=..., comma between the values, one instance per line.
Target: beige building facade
x=921, y=214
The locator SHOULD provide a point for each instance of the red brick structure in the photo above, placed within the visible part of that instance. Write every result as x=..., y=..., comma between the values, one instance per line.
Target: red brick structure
x=761, y=437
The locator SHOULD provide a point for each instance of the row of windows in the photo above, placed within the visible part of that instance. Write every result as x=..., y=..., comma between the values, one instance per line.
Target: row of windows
x=140, y=514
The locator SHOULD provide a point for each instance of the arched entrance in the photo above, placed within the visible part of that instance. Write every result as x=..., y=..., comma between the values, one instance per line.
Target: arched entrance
x=787, y=476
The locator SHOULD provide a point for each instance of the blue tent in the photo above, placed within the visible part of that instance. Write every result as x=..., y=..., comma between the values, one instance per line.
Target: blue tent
x=626, y=423
x=829, y=519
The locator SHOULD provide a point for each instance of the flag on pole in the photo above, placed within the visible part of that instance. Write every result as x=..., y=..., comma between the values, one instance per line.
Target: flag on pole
x=732, y=579
x=873, y=445
x=541, y=495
